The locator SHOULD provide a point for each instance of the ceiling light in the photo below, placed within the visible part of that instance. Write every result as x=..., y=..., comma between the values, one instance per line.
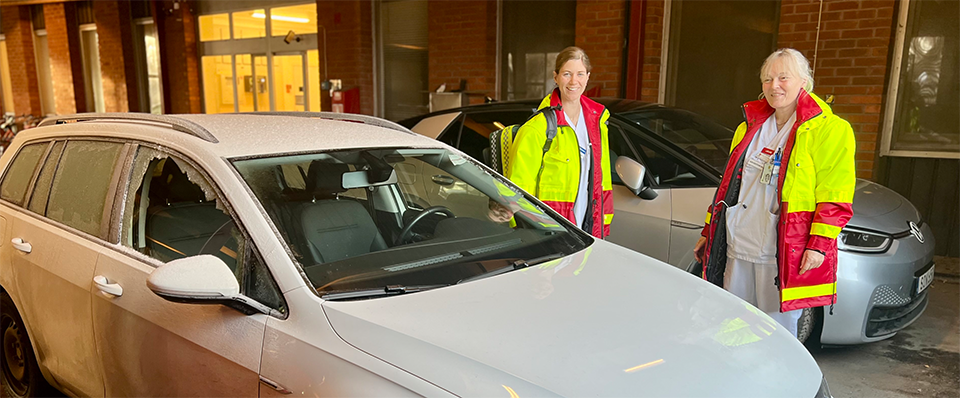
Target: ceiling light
x=261, y=15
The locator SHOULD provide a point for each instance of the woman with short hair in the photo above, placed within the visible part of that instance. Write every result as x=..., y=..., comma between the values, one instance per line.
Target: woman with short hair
x=787, y=190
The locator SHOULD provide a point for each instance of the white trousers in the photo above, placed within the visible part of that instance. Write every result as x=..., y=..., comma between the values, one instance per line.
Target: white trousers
x=754, y=283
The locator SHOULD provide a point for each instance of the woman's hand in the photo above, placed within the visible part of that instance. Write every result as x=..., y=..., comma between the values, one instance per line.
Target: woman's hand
x=700, y=249
x=811, y=259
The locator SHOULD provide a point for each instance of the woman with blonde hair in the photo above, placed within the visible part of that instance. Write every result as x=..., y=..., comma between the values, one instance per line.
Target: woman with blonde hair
x=787, y=190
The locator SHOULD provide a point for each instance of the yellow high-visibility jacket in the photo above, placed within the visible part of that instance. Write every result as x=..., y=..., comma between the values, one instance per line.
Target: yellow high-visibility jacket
x=559, y=178
x=816, y=184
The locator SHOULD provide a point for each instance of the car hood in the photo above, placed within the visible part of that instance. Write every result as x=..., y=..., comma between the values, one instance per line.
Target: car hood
x=606, y=321
x=881, y=209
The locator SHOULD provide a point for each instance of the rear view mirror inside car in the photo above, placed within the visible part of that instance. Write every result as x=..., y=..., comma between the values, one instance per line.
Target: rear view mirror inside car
x=361, y=179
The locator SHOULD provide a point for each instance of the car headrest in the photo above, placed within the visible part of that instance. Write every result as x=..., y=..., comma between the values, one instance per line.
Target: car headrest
x=325, y=179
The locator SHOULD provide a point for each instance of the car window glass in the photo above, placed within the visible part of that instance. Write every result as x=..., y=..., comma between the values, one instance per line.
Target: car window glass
x=83, y=178
x=475, y=135
x=172, y=211
x=433, y=217
x=20, y=172
x=451, y=135
x=665, y=169
x=41, y=190
x=618, y=147
x=425, y=186
x=258, y=284
x=693, y=133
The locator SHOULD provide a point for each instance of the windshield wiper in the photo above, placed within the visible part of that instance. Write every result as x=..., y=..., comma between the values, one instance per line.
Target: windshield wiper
x=389, y=290
x=518, y=264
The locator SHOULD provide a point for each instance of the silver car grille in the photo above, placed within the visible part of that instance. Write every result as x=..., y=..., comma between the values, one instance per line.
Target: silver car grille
x=886, y=296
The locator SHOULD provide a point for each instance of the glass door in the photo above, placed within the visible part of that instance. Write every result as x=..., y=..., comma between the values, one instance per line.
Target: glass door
x=247, y=83
x=288, y=86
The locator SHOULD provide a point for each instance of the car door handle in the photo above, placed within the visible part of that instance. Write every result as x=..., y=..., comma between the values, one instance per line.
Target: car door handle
x=20, y=245
x=107, y=287
x=440, y=179
x=685, y=225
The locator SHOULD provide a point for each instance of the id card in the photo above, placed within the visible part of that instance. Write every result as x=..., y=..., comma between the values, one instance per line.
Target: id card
x=766, y=174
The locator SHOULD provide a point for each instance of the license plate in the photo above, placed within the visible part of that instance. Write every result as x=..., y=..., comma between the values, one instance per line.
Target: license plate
x=925, y=280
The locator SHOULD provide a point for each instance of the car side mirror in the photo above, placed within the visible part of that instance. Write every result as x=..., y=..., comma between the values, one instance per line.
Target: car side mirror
x=632, y=174
x=202, y=279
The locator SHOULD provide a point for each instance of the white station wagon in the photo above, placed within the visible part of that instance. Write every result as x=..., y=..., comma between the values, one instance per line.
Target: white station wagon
x=336, y=255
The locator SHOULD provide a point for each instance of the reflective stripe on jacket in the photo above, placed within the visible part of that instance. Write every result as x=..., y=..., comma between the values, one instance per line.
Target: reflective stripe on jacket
x=816, y=184
x=560, y=177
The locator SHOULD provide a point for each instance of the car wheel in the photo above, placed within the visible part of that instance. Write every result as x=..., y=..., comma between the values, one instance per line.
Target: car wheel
x=809, y=327
x=18, y=367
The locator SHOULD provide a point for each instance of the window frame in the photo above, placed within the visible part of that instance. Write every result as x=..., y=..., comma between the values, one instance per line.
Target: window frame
x=120, y=203
x=890, y=110
x=660, y=145
x=105, y=222
x=28, y=191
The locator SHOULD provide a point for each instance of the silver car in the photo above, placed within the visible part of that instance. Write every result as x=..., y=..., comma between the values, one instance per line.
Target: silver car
x=337, y=255
x=668, y=163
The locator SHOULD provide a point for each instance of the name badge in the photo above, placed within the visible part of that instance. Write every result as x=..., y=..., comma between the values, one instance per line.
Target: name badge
x=760, y=159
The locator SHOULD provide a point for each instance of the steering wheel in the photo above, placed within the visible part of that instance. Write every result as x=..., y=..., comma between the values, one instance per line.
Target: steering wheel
x=430, y=210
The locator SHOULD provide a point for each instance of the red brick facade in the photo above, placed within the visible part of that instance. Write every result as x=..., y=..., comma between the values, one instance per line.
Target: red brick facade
x=652, y=50
x=349, y=34
x=179, y=65
x=463, y=45
x=114, y=29
x=18, y=32
x=852, y=52
x=66, y=62
x=851, y=60
x=600, y=33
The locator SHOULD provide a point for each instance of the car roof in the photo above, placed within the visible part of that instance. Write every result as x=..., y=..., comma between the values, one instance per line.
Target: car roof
x=614, y=105
x=236, y=135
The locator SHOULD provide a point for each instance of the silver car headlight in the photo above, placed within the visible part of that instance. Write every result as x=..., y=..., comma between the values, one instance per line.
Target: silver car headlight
x=824, y=391
x=855, y=240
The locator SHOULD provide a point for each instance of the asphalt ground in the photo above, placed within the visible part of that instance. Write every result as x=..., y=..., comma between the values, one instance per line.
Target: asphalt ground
x=922, y=360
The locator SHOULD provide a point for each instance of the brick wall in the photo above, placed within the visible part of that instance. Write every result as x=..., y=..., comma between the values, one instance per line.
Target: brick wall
x=66, y=62
x=179, y=66
x=463, y=45
x=114, y=29
x=851, y=60
x=18, y=32
x=600, y=33
x=652, y=50
x=350, y=57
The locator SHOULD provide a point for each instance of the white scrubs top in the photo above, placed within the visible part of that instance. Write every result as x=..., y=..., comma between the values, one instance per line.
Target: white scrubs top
x=583, y=192
x=752, y=222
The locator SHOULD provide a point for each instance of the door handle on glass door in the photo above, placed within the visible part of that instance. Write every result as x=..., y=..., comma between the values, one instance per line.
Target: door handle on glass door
x=107, y=287
x=20, y=245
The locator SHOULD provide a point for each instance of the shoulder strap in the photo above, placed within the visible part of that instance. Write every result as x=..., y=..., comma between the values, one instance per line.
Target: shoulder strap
x=551, y=118
x=551, y=127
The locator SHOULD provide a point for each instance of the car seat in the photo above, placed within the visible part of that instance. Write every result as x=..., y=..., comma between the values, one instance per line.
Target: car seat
x=336, y=228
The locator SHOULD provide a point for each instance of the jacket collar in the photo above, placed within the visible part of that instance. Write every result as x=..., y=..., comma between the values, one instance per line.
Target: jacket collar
x=592, y=108
x=809, y=105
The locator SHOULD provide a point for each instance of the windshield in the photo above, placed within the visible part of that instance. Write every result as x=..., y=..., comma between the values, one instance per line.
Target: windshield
x=366, y=219
x=695, y=134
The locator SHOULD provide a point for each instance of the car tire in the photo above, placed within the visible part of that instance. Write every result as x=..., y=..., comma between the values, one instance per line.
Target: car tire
x=18, y=365
x=809, y=327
